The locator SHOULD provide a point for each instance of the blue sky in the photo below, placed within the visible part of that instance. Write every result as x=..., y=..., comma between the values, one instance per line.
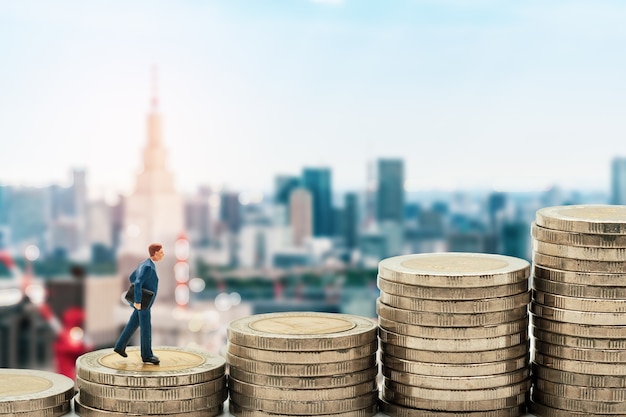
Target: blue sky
x=472, y=94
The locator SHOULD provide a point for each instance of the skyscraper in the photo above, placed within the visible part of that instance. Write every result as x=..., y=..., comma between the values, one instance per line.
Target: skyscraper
x=318, y=182
x=300, y=206
x=285, y=184
x=154, y=211
x=618, y=181
x=350, y=221
x=390, y=190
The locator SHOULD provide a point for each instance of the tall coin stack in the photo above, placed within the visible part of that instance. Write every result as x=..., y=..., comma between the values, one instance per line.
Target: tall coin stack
x=187, y=382
x=28, y=393
x=579, y=311
x=302, y=363
x=454, y=335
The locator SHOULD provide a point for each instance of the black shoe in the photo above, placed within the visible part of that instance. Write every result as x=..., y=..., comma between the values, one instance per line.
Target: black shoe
x=153, y=360
x=122, y=353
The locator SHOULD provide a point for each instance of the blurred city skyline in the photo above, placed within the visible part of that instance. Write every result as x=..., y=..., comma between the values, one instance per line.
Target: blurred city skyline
x=471, y=95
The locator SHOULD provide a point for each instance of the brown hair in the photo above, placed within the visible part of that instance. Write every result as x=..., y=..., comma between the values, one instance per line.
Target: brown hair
x=154, y=248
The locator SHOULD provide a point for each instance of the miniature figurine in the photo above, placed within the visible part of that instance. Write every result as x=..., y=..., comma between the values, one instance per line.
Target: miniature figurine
x=144, y=277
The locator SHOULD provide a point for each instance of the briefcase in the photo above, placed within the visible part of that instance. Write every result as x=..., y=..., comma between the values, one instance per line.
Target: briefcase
x=146, y=296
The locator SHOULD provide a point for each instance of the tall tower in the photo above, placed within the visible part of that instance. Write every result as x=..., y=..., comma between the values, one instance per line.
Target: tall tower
x=390, y=190
x=318, y=182
x=300, y=202
x=154, y=212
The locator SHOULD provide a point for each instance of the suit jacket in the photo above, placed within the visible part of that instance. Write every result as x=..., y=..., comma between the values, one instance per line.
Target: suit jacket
x=145, y=276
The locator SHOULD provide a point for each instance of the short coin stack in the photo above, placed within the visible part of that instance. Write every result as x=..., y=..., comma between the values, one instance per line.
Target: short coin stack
x=28, y=393
x=187, y=382
x=454, y=335
x=304, y=363
x=579, y=311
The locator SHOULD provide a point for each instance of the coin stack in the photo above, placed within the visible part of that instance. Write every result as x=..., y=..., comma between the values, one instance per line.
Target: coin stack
x=579, y=311
x=454, y=335
x=187, y=382
x=302, y=363
x=29, y=393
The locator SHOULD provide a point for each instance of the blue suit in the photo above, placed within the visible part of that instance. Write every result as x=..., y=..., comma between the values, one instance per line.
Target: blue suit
x=144, y=276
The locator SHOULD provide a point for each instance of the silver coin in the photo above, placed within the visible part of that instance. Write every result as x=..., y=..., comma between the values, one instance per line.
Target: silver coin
x=546, y=411
x=582, y=291
x=305, y=407
x=578, y=405
x=580, y=317
x=324, y=356
x=444, y=405
x=182, y=392
x=577, y=392
x=300, y=370
x=468, y=370
x=458, y=395
x=85, y=411
x=579, y=330
x=483, y=305
x=239, y=411
x=454, y=383
x=579, y=265
x=594, y=305
x=24, y=390
x=572, y=378
x=449, y=319
x=580, y=367
x=587, y=355
x=431, y=332
x=446, y=294
x=153, y=407
x=301, y=331
x=286, y=394
x=319, y=382
x=576, y=238
x=179, y=366
x=395, y=410
x=453, y=345
x=475, y=357
x=578, y=342
x=578, y=277
x=454, y=270
x=578, y=252
x=596, y=219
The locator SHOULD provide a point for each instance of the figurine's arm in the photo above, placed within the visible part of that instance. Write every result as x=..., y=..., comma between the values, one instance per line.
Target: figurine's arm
x=140, y=277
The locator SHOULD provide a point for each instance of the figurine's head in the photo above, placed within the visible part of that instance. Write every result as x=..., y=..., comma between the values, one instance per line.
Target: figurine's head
x=156, y=251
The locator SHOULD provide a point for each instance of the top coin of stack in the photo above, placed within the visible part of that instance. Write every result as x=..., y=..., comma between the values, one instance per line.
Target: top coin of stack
x=579, y=310
x=454, y=334
x=302, y=363
x=187, y=382
x=29, y=393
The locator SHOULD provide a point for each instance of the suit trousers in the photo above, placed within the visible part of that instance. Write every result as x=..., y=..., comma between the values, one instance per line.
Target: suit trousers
x=141, y=319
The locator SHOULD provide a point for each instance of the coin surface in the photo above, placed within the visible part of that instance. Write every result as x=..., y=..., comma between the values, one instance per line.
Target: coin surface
x=564, y=302
x=579, y=330
x=546, y=411
x=573, y=378
x=449, y=319
x=440, y=369
x=578, y=277
x=482, y=305
x=573, y=404
x=453, y=345
x=300, y=370
x=301, y=331
x=580, y=317
x=305, y=407
x=580, y=265
x=447, y=294
x=582, y=291
x=431, y=332
x=24, y=390
x=579, y=252
x=576, y=238
x=239, y=411
x=85, y=411
x=458, y=395
x=323, y=356
x=580, y=354
x=454, y=269
x=460, y=383
x=298, y=382
x=395, y=410
x=179, y=366
x=475, y=357
x=596, y=219
x=286, y=394
x=578, y=342
x=580, y=367
x=577, y=392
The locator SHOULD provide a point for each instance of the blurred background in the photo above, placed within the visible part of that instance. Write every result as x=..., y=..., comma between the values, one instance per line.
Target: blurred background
x=279, y=149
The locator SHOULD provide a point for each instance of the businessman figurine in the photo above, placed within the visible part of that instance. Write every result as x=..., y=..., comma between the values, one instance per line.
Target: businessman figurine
x=144, y=276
